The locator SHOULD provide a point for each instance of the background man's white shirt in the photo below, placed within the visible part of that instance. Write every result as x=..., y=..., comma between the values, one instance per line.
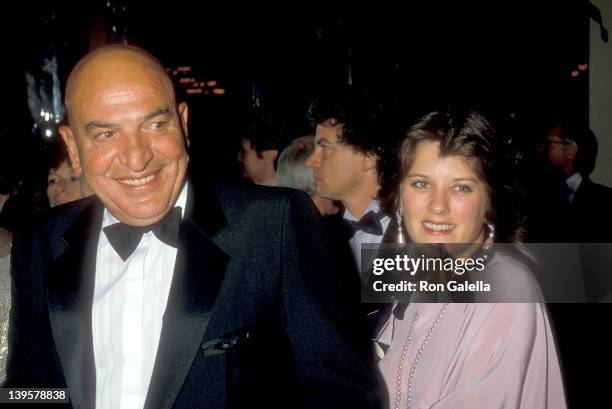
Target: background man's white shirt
x=363, y=237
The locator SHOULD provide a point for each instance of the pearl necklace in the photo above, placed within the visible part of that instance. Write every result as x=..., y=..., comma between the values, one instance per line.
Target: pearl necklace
x=400, y=368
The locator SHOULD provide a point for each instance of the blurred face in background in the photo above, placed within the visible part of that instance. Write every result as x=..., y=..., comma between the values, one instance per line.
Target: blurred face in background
x=63, y=185
x=444, y=201
x=257, y=167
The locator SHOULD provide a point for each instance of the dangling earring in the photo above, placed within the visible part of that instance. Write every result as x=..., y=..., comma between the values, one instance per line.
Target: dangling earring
x=489, y=241
x=400, y=232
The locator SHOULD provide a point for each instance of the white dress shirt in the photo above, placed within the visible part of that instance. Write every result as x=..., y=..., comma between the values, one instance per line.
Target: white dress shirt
x=128, y=307
x=363, y=237
x=573, y=183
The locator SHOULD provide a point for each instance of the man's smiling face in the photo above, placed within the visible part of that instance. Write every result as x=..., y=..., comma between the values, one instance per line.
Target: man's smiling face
x=126, y=135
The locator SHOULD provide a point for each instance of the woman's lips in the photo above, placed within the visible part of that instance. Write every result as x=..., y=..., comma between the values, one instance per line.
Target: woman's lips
x=439, y=229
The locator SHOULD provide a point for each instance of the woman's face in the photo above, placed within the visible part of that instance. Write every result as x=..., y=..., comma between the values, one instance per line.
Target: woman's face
x=444, y=201
x=63, y=185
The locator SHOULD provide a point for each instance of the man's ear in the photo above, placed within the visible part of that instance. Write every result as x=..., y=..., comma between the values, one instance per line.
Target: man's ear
x=71, y=144
x=269, y=155
x=571, y=150
x=183, y=111
x=370, y=160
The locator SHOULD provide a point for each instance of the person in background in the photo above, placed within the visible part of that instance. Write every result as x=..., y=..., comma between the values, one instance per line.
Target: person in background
x=350, y=138
x=293, y=172
x=63, y=183
x=572, y=150
x=263, y=140
x=7, y=189
x=454, y=186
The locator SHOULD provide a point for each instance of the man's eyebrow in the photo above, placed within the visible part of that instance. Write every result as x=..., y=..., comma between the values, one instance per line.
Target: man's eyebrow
x=324, y=142
x=147, y=117
x=158, y=112
x=417, y=175
x=93, y=125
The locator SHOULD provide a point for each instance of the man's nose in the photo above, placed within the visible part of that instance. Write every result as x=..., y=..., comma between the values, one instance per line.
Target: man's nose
x=313, y=161
x=137, y=151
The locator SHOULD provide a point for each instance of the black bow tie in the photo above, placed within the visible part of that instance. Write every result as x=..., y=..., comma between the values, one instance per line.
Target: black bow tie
x=369, y=223
x=125, y=238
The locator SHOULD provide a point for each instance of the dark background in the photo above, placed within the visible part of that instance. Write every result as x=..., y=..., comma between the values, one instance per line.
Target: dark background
x=511, y=59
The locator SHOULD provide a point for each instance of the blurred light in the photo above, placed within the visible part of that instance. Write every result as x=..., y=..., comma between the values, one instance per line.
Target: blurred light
x=114, y=29
x=46, y=116
x=42, y=112
x=108, y=3
x=212, y=83
x=194, y=91
x=206, y=92
x=218, y=91
x=168, y=69
x=184, y=80
x=583, y=67
x=174, y=72
x=574, y=73
x=202, y=84
x=193, y=80
x=185, y=68
x=48, y=133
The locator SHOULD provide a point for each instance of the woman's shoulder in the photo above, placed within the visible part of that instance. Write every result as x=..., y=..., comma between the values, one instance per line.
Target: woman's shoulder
x=512, y=279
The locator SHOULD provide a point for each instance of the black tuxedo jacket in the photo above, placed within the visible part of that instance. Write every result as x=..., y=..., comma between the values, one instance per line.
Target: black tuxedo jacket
x=250, y=319
x=590, y=213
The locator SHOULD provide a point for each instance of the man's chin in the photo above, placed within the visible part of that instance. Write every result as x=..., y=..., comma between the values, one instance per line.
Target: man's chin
x=138, y=216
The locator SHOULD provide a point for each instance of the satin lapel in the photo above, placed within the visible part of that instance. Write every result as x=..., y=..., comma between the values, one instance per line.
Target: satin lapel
x=390, y=235
x=198, y=273
x=71, y=286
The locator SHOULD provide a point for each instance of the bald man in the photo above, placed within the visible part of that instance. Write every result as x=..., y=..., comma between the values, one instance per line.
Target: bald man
x=163, y=293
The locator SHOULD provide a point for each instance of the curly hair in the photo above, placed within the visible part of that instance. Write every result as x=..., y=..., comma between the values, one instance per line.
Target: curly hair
x=367, y=121
x=467, y=133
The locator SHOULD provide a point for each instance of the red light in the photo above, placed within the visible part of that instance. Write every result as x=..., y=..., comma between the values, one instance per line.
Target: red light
x=583, y=67
x=574, y=73
x=184, y=69
x=194, y=91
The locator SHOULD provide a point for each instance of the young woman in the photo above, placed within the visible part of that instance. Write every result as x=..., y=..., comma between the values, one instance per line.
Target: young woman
x=453, y=186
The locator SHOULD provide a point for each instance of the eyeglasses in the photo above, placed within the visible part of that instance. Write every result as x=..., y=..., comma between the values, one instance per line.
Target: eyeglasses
x=548, y=142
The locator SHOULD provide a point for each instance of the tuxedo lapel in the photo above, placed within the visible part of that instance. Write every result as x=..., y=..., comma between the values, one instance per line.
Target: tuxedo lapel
x=390, y=235
x=199, y=270
x=70, y=289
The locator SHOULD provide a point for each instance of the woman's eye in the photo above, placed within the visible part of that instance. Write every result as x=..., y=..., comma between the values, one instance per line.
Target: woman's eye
x=419, y=184
x=463, y=188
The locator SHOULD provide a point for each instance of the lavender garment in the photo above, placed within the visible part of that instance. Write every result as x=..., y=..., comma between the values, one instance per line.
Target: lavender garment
x=494, y=356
